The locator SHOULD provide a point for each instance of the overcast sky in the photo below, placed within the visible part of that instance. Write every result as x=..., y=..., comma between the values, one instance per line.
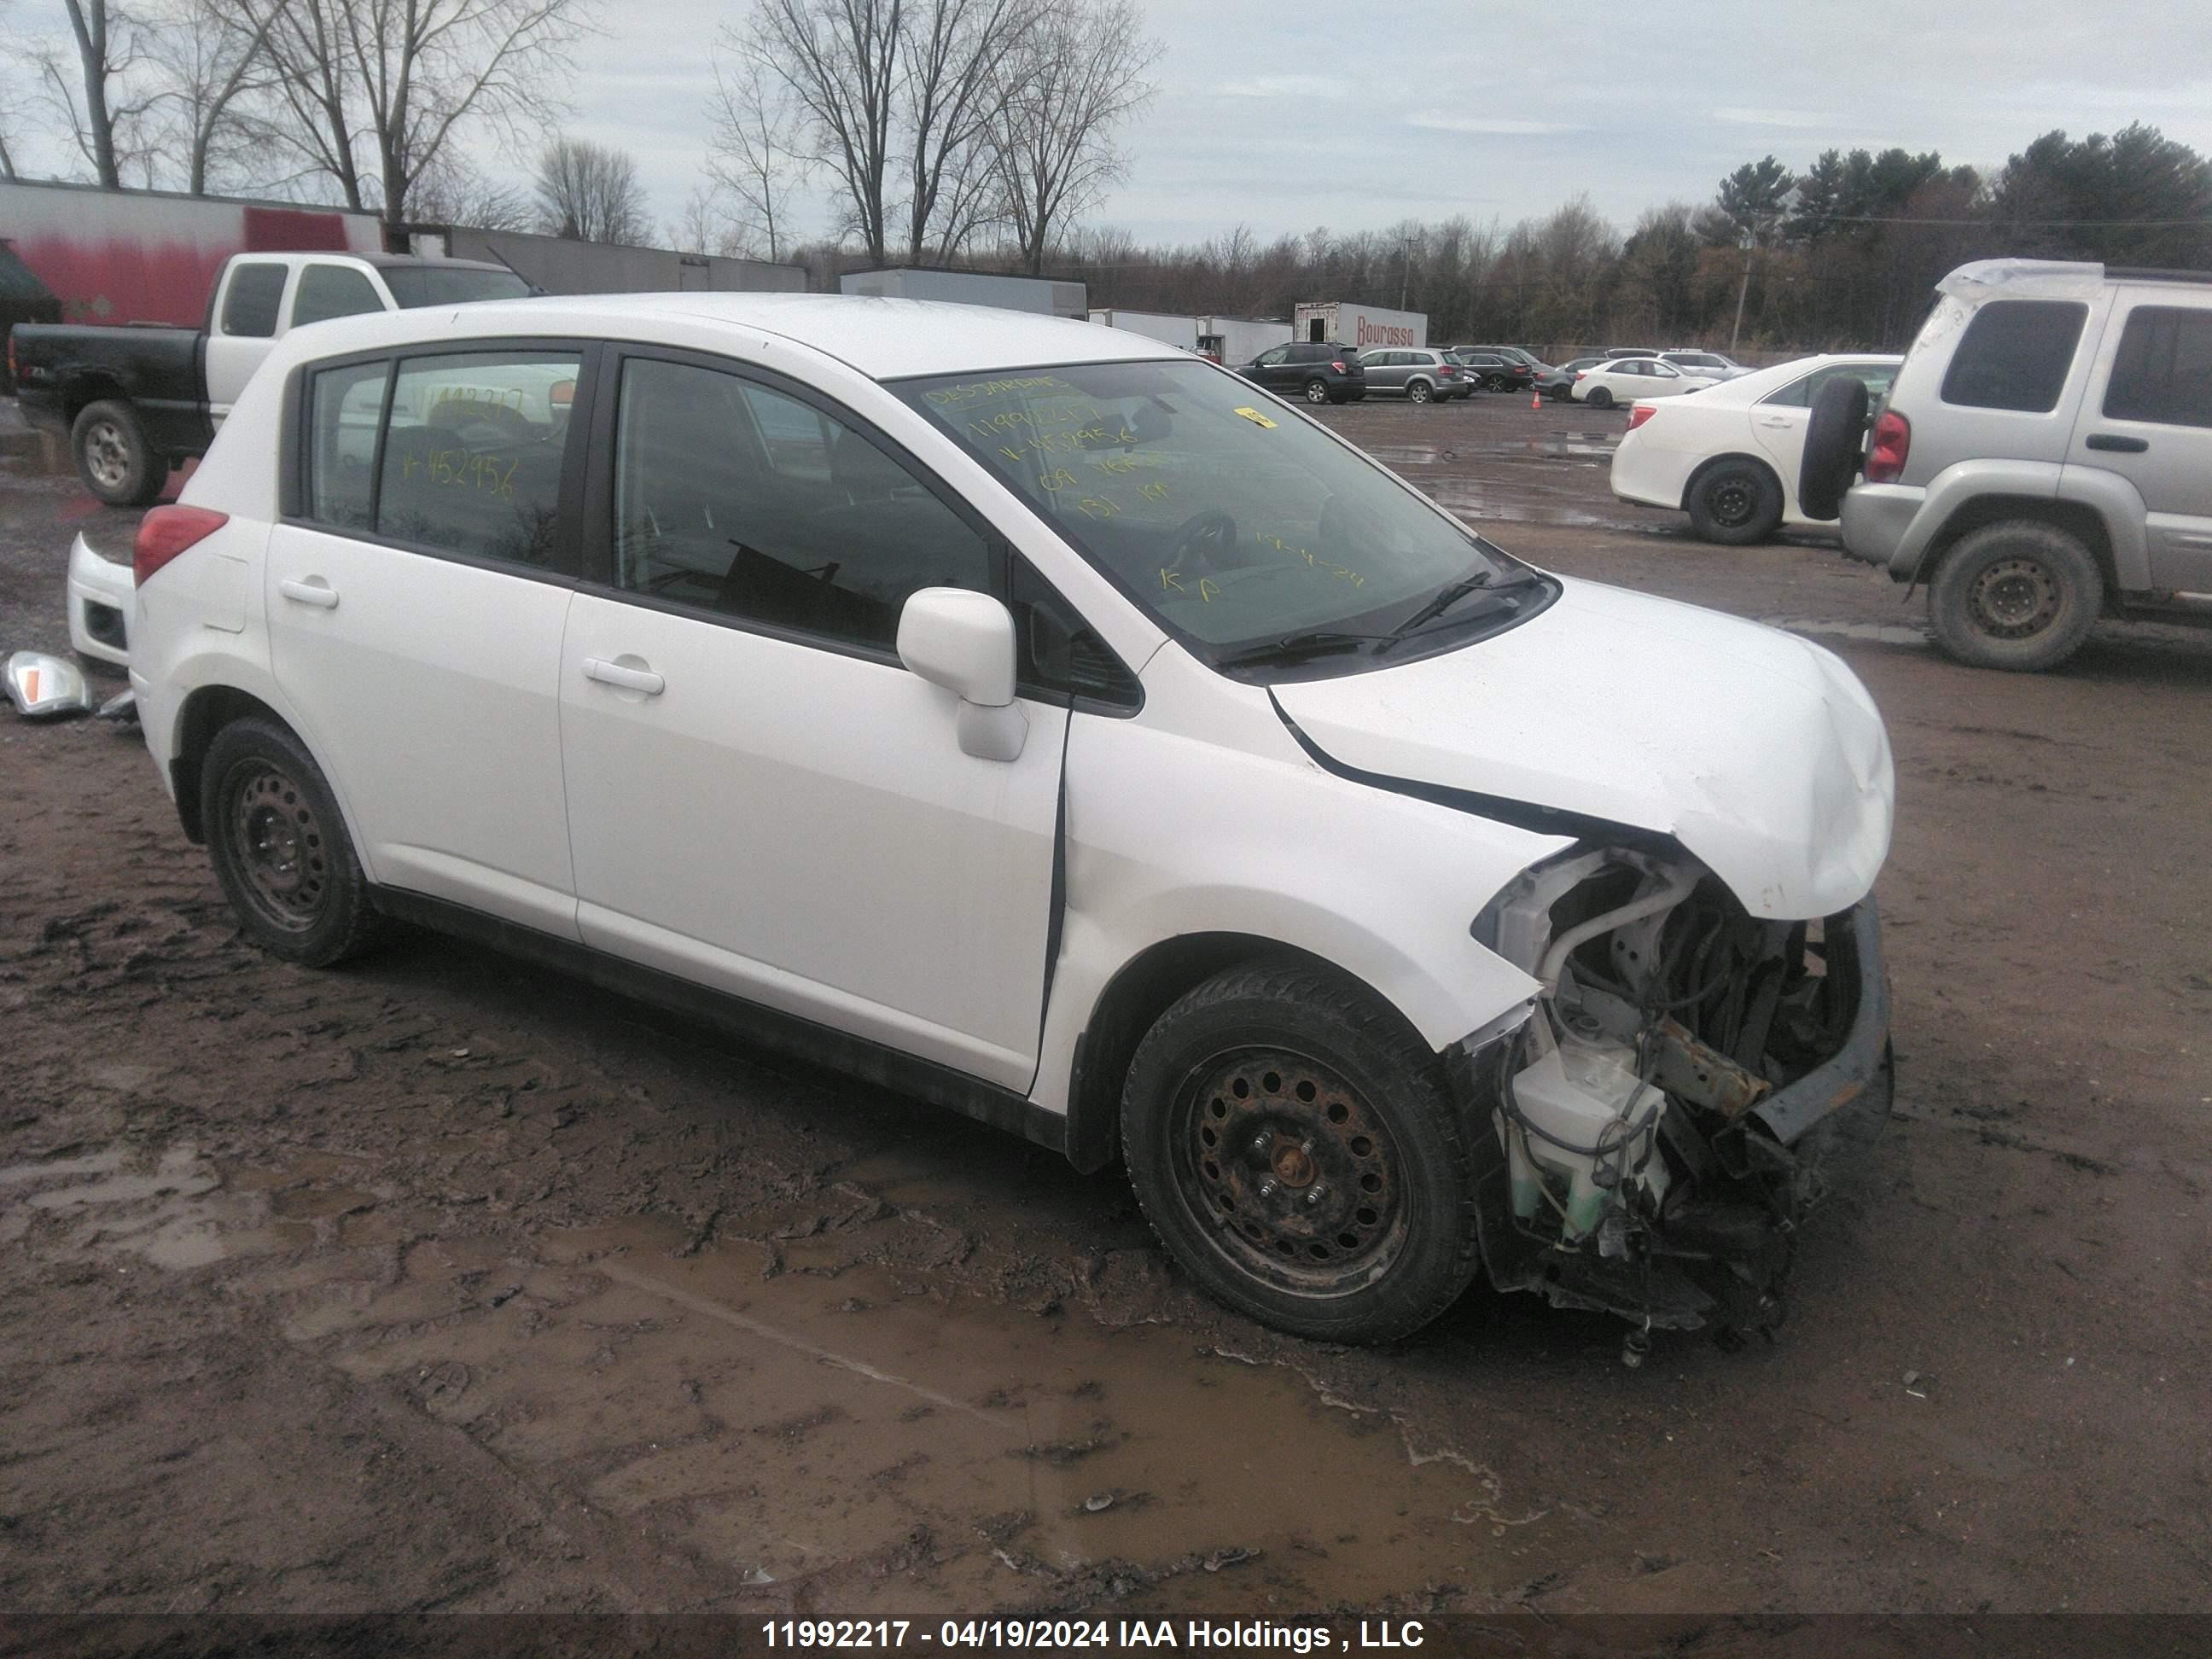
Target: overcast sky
x=1287, y=115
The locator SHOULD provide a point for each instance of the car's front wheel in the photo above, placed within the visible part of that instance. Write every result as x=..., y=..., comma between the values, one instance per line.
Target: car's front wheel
x=1294, y=1144
x=2017, y=594
x=280, y=848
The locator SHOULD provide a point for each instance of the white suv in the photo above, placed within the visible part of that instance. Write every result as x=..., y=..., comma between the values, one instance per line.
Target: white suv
x=1090, y=746
x=2043, y=459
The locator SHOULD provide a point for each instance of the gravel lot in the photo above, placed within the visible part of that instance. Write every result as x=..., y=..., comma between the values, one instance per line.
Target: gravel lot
x=442, y=1283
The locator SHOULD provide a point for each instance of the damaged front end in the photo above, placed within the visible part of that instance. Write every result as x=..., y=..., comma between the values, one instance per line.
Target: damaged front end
x=1665, y=1110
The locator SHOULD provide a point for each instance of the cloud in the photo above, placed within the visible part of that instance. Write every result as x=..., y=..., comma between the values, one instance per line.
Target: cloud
x=1285, y=86
x=1438, y=120
x=1736, y=115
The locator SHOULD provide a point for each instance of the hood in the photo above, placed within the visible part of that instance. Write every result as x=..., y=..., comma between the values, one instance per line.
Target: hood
x=1757, y=750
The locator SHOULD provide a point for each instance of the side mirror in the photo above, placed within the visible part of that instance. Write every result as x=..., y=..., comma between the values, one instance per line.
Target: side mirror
x=964, y=642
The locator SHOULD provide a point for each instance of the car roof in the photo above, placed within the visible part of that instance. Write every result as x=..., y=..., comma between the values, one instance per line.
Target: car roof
x=1750, y=388
x=882, y=338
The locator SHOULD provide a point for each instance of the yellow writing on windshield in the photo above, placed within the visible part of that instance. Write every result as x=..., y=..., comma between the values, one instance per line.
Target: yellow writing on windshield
x=1059, y=478
x=952, y=397
x=1154, y=492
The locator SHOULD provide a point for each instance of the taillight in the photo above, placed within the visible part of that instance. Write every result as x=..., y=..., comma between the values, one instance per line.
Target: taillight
x=1581, y=375
x=167, y=531
x=1639, y=413
x=1339, y=368
x=1892, y=442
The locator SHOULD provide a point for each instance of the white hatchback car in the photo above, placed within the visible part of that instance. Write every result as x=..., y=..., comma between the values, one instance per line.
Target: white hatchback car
x=1092, y=746
x=1625, y=380
x=1730, y=457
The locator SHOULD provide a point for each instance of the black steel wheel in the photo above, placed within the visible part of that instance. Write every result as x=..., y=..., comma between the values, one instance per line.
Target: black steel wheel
x=1734, y=502
x=1295, y=1146
x=2018, y=594
x=1599, y=397
x=280, y=847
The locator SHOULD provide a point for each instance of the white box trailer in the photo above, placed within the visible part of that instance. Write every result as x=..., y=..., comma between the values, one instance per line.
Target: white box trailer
x=1181, y=331
x=1364, y=328
x=1237, y=340
x=1043, y=296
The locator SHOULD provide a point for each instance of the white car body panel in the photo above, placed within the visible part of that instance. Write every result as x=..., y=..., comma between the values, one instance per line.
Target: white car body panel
x=1628, y=388
x=1655, y=462
x=1200, y=813
x=1759, y=751
x=96, y=580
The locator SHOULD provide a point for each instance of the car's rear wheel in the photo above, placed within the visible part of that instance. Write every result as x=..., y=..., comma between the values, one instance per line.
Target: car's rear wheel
x=1599, y=397
x=280, y=848
x=1295, y=1147
x=113, y=457
x=2018, y=595
x=1418, y=392
x=1835, y=435
x=1316, y=391
x=1735, y=502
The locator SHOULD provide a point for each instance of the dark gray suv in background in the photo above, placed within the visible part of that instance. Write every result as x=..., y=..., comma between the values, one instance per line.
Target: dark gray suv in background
x=1319, y=372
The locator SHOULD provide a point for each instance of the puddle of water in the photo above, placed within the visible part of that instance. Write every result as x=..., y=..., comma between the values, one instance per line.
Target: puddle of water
x=1470, y=500
x=1405, y=454
x=1878, y=633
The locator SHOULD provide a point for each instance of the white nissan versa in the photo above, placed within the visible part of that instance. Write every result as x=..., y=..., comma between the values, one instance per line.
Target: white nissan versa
x=1102, y=748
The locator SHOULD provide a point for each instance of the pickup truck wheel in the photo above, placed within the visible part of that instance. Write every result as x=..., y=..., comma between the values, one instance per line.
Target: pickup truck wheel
x=113, y=458
x=2019, y=595
x=1734, y=503
x=280, y=848
x=1295, y=1146
x=1835, y=433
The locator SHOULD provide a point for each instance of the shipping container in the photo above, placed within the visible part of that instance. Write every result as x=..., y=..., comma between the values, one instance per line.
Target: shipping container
x=1238, y=340
x=1181, y=331
x=1043, y=296
x=560, y=265
x=149, y=255
x=1364, y=328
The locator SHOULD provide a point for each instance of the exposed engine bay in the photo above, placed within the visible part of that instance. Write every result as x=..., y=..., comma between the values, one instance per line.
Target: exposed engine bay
x=1664, y=1112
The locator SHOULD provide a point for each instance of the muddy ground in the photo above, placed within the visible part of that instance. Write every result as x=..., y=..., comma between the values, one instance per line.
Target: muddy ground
x=443, y=1282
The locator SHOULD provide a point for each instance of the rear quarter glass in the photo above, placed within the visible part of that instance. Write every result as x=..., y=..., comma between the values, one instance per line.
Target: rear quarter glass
x=2014, y=355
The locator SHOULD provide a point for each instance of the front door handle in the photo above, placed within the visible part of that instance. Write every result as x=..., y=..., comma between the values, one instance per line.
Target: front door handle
x=629, y=679
x=316, y=591
x=2114, y=441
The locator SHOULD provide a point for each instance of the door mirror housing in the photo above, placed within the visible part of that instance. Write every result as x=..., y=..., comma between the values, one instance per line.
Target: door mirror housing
x=964, y=642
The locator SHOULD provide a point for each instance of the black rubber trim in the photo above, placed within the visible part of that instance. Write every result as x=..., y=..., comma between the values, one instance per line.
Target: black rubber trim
x=734, y=1016
x=1864, y=1057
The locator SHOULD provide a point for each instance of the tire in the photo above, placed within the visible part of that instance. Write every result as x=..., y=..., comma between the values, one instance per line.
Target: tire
x=2018, y=595
x=1418, y=391
x=1599, y=397
x=1317, y=390
x=1734, y=502
x=1289, y=1221
x=1835, y=437
x=112, y=455
x=280, y=847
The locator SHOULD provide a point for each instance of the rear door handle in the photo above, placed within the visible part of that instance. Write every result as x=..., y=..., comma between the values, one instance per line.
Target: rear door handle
x=2114, y=441
x=631, y=679
x=317, y=592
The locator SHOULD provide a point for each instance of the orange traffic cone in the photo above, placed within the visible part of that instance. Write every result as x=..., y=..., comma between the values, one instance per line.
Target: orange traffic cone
x=1536, y=400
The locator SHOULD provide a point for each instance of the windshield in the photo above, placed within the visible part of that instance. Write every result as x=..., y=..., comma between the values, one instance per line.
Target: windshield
x=451, y=285
x=1230, y=518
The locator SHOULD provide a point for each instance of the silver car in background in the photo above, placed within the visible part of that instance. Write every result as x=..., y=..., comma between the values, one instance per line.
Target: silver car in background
x=1415, y=373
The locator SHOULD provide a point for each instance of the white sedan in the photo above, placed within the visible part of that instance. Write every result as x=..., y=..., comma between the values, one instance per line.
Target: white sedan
x=1625, y=380
x=1728, y=458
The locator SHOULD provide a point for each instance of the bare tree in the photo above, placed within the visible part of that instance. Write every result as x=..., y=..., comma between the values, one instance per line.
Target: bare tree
x=100, y=97
x=756, y=150
x=1061, y=102
x=211, y=55
x=590, y=193
x=949, y=88
x=450, y=192
x=839, y=59
x=408, y=76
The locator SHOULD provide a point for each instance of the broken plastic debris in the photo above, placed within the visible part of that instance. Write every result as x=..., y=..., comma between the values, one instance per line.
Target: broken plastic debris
x=1103, y=1500
x=42, y=686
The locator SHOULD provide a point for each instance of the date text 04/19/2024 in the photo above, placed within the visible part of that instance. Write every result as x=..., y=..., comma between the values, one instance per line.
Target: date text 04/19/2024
x=1098, y=1634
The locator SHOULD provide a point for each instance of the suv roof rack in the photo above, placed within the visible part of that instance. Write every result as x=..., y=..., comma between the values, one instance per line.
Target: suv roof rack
x=2153, y=274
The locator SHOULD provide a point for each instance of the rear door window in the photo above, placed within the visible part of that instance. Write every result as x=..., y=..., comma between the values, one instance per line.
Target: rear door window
x=2014, y=355
x=250, y=303
x=2163, y=370
x=473, y=456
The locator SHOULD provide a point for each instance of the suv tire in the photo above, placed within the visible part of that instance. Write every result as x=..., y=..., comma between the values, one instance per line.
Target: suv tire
x=2021, y=595
x=1420, y=391
x=1734, y=502
x=1317, y=390
x=1835, y=436
x=280, y=847
x=117, y=464
x=1294, y=1144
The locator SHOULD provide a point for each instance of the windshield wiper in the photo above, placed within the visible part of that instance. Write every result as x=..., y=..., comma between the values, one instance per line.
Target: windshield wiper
x=1443, y=601
x=1295, y=648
